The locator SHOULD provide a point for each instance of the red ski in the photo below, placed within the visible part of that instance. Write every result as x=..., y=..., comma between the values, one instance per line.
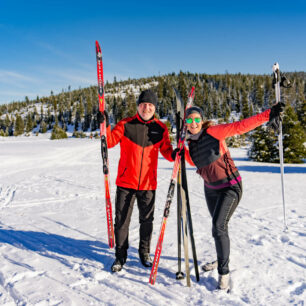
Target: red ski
x=109, y=215
x=170, y=194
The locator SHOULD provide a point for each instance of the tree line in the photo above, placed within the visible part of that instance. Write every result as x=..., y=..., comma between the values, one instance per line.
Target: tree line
x=223, y=97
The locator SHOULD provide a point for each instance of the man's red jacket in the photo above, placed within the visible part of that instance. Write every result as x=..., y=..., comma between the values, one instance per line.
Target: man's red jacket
x=140, y=142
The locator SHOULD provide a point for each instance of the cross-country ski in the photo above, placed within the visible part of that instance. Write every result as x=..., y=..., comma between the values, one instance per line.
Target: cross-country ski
x=105, y=166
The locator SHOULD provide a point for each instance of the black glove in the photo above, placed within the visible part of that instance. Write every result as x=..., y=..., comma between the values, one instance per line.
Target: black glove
x=103, y=116
x=275, y=115
x=284, y=82
x=173, y=154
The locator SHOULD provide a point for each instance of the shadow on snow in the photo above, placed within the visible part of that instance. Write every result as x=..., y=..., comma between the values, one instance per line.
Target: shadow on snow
x=48, y=245
x=272, y=169
x=53, y=246
x=259, y=168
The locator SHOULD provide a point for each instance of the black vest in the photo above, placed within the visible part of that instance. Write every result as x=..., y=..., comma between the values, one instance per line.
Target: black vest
x=204, y=149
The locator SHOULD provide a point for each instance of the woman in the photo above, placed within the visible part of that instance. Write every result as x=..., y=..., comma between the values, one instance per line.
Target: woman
x=222, y=181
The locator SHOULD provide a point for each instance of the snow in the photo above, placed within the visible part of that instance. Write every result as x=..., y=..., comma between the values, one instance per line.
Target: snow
x=129, y=88
x=53, y=241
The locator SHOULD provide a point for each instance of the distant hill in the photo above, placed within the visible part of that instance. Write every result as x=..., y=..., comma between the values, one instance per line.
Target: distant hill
x=224, y=97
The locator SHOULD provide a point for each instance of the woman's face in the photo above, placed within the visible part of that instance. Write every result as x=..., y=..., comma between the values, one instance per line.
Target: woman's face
x=194, y=127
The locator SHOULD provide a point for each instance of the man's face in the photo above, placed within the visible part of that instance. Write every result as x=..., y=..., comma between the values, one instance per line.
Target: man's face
x=146, y=110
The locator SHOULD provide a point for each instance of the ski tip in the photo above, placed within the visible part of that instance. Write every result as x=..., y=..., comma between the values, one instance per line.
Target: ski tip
x=98, y=46
x=192, y=92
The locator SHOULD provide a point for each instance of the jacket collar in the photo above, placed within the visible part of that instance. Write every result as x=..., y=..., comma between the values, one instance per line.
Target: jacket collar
x=195, y=136
x=143, y=121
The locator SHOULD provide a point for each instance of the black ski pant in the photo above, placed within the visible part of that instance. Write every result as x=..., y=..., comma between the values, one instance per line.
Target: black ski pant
x=221, y=205
x=125, y=199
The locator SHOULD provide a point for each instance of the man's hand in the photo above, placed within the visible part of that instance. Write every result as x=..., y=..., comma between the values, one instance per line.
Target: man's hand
x=103, y=116
x=175, y=151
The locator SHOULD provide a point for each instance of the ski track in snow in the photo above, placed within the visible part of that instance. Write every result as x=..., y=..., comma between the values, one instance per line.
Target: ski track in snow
x=53, y=236
x=6, y=195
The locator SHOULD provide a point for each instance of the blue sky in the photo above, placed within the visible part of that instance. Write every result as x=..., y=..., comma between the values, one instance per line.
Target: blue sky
x=49, y=45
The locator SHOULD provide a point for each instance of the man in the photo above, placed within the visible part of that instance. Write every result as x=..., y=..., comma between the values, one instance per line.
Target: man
x=141, y=137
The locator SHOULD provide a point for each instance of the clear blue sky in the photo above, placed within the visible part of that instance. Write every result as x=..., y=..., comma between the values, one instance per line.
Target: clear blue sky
x=49, y=45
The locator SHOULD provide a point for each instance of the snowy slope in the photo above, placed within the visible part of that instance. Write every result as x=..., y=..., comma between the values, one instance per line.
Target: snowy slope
x=53, y=242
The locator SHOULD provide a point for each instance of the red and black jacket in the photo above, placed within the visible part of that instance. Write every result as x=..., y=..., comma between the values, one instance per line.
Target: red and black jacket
x=209, y=153
x=140, y=142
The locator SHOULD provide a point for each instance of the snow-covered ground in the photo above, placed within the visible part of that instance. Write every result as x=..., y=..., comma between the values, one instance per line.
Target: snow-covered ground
x=53, y=241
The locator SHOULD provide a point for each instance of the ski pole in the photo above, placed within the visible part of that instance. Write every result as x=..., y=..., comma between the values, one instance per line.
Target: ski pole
x=190, y=226
x=277, y=80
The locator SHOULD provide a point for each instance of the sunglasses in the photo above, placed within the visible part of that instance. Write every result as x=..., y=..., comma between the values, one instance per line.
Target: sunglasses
x=196, y=120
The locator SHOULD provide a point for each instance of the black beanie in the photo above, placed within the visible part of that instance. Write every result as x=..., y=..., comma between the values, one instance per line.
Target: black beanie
x=194, y=109
x=147, y=96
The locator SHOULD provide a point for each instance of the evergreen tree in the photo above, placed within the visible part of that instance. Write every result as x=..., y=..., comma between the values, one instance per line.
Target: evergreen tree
x=120, y=109
x=60, y=116
x=88, y=111
x=301, y=105
x=131, y=105
x=301, y=111
x=226, y=110
x=43, y=127
x=58, y=133
x=245, y=105
x=115, y=108
x=49, y=119
x=219, y=106
x=263, y=148
x=69, y=117
x=259, y=93
x=206, y=106
x=199, y=97
x=215, y=105
x=160, y=89
x=19, y=126
x=78, y=116
x=29, y=123
x=182, y=88
x=265, y=143
x=7, y=121
x=294, y=138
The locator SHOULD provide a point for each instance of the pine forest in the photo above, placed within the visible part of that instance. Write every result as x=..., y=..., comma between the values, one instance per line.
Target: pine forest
x=223, y=97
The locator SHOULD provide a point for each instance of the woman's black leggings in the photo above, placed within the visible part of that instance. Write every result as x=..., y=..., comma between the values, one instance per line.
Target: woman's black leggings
x=221, y=205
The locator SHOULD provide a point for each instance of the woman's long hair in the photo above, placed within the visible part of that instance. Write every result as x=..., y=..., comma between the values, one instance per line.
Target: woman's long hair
x=207, y=124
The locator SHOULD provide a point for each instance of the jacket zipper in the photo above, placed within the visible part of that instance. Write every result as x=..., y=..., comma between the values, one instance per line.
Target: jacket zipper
x=141, y=157
x=123, y=172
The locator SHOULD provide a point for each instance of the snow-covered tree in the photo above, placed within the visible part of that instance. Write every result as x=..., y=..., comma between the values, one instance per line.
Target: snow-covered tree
x=264, y=146
x=294, y=138
x=265, y=143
